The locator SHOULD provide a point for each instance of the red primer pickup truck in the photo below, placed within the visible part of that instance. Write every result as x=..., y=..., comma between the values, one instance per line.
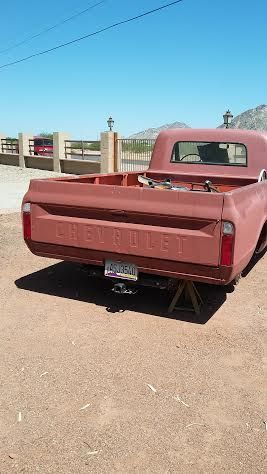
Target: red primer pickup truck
x=198, y=213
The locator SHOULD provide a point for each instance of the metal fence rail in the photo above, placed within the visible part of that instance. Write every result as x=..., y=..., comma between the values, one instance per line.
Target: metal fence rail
x=134, y=154
x=82, y=149
x=9, y=145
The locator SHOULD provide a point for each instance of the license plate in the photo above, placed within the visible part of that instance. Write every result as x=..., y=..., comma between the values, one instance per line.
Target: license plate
x=123, y=270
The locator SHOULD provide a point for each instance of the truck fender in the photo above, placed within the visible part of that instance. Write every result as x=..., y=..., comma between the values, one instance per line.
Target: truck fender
x=262, y=240
x=262, y=175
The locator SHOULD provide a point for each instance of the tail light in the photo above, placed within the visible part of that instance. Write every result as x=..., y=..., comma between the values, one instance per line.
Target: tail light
x=26, y=215
x=228, y=233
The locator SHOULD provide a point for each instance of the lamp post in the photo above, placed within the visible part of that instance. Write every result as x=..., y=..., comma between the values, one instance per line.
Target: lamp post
x=110, y=123
x=227, y=118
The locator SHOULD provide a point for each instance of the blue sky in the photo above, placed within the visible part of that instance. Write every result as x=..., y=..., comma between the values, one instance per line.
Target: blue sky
x=187, y=63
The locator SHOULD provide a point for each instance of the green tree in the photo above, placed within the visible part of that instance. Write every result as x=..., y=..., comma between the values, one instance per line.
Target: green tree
x=46, y=135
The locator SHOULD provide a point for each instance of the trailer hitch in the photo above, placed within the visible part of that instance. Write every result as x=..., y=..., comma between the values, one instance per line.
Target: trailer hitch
x=121, y=289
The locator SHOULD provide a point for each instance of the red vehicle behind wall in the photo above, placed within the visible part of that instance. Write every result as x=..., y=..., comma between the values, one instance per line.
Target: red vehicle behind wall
x=43, y=146
x=199, y=212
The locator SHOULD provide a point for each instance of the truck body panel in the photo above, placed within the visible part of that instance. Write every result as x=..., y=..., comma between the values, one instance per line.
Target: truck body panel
x=177, y=234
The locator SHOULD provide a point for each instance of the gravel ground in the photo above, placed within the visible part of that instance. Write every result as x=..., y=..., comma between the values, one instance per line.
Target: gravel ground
x=14, y=183
x=93, y=383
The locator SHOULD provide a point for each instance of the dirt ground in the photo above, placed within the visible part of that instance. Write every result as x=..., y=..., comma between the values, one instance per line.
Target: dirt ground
x=93, y=383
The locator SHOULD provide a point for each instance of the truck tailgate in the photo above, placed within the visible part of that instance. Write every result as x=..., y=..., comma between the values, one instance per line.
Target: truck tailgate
x=168, y=225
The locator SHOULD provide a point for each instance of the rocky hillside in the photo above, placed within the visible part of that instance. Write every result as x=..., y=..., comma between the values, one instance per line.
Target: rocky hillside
x=153, y=132
x=253, y=119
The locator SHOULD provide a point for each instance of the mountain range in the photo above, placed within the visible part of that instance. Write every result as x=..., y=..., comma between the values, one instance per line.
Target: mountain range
x=153, y=132
x=252, y=119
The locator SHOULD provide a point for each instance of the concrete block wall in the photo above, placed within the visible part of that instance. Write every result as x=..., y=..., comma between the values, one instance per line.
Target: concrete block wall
x=39, y=162
x=58, y=163
x=79, y=167
x=9, y=159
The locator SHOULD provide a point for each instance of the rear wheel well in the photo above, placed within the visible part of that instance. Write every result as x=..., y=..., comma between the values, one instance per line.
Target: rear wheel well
x=262, y=239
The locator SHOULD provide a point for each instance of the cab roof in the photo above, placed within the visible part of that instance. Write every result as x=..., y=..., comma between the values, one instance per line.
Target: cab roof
x=255, y=142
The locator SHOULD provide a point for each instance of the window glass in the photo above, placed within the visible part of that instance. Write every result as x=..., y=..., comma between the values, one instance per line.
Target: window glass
x=43, y=142
x=210, y=153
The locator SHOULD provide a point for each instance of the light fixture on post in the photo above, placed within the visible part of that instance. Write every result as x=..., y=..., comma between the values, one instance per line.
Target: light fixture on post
x=227, y=118
x=110, y=123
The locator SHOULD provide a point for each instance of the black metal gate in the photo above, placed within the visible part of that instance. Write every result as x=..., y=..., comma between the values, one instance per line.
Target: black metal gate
x=134, y=154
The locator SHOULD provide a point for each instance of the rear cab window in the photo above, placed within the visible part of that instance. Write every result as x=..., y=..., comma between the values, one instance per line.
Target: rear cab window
x=210, y=153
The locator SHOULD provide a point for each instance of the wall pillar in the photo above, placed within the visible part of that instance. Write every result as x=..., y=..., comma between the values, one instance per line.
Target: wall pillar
x=107, y=148
x=24, y=147
x=59, y=149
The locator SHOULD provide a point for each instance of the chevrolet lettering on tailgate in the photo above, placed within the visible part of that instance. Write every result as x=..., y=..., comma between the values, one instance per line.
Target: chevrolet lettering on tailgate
x=120, y=239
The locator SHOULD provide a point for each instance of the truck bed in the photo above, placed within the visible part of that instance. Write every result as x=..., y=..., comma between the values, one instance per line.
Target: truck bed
x=223, y=184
